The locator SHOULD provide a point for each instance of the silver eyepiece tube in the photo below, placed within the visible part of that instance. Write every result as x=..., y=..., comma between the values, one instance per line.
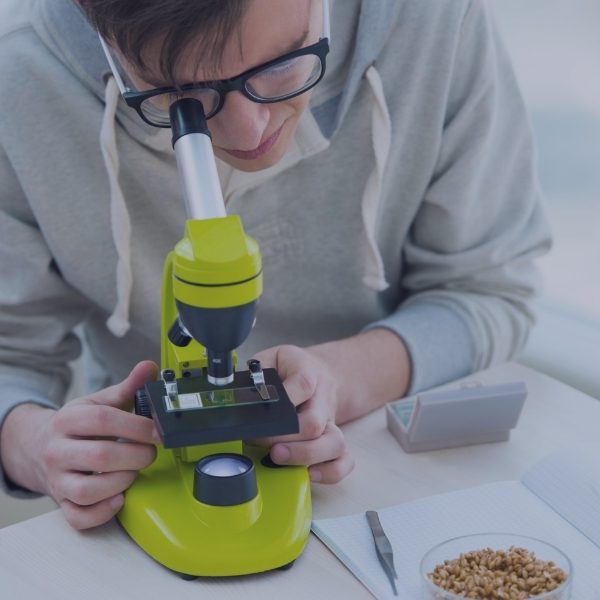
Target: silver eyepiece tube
x=196, y=160
x=198, y=171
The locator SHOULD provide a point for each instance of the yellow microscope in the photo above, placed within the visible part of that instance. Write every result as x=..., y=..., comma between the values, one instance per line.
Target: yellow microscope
x=211, y=505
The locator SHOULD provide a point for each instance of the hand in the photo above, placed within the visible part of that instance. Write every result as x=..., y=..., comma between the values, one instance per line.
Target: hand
x=313, y=389
x=331, y=383
x=88, y=452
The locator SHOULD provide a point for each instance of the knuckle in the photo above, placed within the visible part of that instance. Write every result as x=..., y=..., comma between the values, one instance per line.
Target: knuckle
x=336, y=476
x=100, y=417
x=99, y=458
x=348, y=462
x=127, y=480
x=287, y=349
x=51, y=456
x=74, y=521
x=306, y=383
x=336, y=472
x=339, y=439
x=346, y=466
x=80, y=493
x=306, y=458
x=338, y=450
x=304, y=454
x=150, y=455
x=313, y=426
x=143, y=456
x=75, y=518
x=339, y=468
x=61, y=420
x=286, y=354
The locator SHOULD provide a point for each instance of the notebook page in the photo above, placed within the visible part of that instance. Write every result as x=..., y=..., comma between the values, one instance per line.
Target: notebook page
x=569, y=481
x=415, y=527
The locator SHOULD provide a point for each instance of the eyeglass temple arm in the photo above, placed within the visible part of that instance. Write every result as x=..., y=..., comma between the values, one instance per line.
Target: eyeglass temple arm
x=113, y=66
x=326, y=21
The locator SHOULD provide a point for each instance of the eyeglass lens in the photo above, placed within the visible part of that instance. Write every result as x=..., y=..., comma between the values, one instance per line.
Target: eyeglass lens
x=156, y=108
x=277, y=82
x=286, y=78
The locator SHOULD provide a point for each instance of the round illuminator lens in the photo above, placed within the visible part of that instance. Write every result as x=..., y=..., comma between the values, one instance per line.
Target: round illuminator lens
x=225, y=466
x=225, y=479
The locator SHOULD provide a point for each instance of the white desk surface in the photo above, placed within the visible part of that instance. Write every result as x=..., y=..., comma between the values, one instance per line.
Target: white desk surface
x=44, y=558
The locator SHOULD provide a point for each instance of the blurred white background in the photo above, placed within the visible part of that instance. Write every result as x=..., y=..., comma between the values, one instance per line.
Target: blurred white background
x=555, y=45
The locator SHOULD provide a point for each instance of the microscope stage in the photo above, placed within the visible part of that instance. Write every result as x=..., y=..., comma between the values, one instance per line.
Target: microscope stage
x=202, y=413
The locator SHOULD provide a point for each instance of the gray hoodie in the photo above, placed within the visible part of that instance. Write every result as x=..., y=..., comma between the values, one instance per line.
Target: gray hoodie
x=408, y=199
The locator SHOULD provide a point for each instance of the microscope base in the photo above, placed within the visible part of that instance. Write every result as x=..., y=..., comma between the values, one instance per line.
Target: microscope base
x=194, y=539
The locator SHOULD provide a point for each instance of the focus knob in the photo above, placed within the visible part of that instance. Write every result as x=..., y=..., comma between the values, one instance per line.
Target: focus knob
x=179, y=335
x=142, y=404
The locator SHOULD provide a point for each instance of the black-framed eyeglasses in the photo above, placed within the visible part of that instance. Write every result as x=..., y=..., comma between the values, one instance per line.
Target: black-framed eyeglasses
x=276, y=80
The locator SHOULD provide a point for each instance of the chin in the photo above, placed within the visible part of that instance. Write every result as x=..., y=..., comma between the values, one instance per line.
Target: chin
x=258, y=164
x=270, y=158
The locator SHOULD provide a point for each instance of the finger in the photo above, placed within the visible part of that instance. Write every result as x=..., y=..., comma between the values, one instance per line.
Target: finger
x=329, y=446
x=333, y=471
x=85, y=420
x=86, y=490
x=312, y=420
x=122, y=394
x=300, y=386
x=84, y=517
x=100, y=455
x=299, y=381
x=267, y=358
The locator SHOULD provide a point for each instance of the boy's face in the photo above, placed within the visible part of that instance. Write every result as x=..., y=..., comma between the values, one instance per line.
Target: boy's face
x=247, y=135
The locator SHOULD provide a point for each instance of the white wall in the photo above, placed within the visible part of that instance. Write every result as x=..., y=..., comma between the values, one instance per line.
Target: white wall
x=556, y=51
x=555, y=45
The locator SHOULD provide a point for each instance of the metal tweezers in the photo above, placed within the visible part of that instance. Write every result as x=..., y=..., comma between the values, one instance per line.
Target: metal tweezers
x=383, y=548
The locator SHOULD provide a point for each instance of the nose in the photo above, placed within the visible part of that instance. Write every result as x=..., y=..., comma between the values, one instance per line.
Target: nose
x=241, y=123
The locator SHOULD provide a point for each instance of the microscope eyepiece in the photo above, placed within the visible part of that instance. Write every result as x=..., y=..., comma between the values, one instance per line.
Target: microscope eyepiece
x=187, y=116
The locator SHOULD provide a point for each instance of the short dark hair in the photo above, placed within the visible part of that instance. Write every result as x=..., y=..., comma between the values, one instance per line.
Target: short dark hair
x=204, y=25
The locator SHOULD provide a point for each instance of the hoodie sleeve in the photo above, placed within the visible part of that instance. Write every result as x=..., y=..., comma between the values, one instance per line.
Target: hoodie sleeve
x=468, y=273
x=38, y=311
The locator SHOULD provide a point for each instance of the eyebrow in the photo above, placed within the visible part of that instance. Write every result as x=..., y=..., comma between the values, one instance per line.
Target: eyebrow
x=296, y=44
x=291, y=47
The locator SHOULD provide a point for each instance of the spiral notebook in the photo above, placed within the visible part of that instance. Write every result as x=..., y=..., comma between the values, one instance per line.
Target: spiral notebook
x=557, y=500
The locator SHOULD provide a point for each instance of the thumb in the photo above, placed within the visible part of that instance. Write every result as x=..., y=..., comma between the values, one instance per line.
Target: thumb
x=121, y=395
x=267, y=358
x=274, y=357
x=286, y=359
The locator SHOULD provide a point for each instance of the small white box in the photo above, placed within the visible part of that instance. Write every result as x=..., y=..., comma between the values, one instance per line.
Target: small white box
x=471, y=414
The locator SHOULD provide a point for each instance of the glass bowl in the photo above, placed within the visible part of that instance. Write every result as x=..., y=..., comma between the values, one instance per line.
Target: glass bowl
x=452, y=548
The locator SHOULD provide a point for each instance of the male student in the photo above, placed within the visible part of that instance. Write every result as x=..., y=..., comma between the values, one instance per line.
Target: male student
x=387, y=172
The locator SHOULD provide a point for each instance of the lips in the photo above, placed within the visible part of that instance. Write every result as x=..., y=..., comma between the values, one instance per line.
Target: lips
x=263, y=148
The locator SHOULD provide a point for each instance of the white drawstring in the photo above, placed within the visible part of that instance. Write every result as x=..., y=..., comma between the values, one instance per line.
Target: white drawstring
x=118, y=322
x=381, y=135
